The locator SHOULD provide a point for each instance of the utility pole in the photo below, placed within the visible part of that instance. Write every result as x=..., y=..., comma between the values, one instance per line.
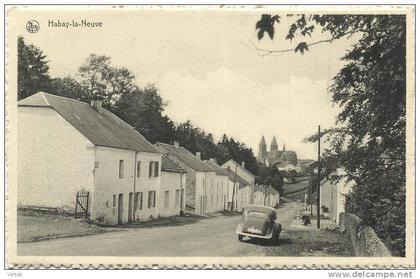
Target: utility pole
x=234, y=186
x=318, y=204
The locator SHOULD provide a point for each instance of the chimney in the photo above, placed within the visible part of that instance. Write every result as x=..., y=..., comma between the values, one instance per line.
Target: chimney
x=176, y=144
x=198, y=154
x=96, y=103
x=243, y=164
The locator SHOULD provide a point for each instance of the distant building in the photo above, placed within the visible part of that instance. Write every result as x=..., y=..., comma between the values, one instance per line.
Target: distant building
x=200, y=178
x=219, y=191
x=240, y=191
x=172, y=188
x=333, y=195
x=243, y=173
x=275, y=157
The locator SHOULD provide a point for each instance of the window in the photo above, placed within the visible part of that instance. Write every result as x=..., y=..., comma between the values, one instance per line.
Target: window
x=177, y=198
x=166, y=201
x=114, y=200
x=121, y=169
x=138, y=201
x=138, y=169
x=151, y=201
x=211, y=200
x=153, y=169
x=96, y=164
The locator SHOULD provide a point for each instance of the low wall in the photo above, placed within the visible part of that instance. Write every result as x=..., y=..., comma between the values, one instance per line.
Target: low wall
x=364, y=239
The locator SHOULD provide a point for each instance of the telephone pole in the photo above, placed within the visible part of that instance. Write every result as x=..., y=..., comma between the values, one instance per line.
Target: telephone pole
x=233, y=190
x=318, y=204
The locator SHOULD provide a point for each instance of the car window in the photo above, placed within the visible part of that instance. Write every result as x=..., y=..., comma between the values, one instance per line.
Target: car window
x=256, y=214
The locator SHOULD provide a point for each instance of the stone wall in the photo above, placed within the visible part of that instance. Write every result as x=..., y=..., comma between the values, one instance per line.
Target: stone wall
x=364, y=239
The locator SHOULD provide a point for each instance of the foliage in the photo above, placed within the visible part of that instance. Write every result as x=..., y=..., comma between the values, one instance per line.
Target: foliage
x=33, y=70
x=143, y=109
x=230, y=148
x=68, y=87
x=270, y=176
x=371, y=90
x=101, y=79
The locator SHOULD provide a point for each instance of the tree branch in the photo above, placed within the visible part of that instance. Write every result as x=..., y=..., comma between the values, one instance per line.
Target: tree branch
x=265, y=52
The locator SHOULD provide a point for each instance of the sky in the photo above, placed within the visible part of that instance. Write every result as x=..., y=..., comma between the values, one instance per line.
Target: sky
x=203, y=66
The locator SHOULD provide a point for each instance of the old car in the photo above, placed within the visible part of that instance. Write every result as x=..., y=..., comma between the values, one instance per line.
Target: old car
x=259, y=222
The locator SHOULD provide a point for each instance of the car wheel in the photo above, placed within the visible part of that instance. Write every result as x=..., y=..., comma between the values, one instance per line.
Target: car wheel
x=240, y=237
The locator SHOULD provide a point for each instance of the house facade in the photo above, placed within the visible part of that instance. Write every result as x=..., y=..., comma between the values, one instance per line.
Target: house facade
x=266, y=195
x=67, y=147
x=239, y=191
x=243, y=173
x=220, y=189
x=172, y=188
x=200, y=178
x=333, y=195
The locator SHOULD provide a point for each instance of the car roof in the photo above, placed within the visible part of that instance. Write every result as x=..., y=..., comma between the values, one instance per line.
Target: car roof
x=260, y=208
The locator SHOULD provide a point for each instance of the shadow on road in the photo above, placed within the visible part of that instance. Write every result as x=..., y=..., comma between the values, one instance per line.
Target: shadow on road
x=268, y=242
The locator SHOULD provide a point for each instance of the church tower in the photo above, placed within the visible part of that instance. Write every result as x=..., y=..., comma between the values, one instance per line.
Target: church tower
x=273, y=145
x=262, y=149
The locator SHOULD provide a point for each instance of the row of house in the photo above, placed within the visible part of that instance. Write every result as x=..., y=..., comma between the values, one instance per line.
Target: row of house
x=333, y=194
x=75, y=156
x=266, y=195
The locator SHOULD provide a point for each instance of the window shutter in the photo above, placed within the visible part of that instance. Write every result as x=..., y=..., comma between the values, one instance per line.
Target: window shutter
x=156, y=169
x=150, y=169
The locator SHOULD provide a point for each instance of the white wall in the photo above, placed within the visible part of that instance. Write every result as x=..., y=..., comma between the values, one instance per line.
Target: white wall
x=108, y=183
x=171, y=181
x=230, y=192
x=54, y=159
x=242, y=173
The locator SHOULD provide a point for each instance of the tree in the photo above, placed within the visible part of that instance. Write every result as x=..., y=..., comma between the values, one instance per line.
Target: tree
x=68, y=87
x=270, y=176
x=143, y=109
x=101, y=79
x=371, y=90
x=33, y=70
x=229, y=148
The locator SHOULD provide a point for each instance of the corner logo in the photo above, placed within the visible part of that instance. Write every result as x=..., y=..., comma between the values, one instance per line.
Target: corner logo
x=32, y=26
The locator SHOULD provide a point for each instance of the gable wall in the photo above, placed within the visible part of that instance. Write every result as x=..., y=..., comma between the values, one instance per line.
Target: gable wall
x=54, y=159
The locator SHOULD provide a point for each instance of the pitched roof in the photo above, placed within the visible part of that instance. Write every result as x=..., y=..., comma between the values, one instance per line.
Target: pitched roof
x=170, y=165
x=242, y=182
x=219, y=170
x=239, y=166
x=102, y=129
x=185, y=156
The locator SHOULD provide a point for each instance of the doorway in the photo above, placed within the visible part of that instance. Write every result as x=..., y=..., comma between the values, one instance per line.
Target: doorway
x=120, y=209
x=130, y=208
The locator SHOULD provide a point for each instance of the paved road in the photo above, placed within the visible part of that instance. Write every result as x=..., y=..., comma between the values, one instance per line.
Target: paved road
x=208, y=237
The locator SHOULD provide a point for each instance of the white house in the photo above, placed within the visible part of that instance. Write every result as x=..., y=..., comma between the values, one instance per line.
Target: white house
x=239, y=191
x=220, y=191
x=242, y=172
x=266, y=195
x=172, y=188
x=200, y=178
x=66, y=147
x=333, y=195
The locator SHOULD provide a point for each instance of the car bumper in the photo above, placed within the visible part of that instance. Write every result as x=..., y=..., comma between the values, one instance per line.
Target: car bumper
x=267, y=236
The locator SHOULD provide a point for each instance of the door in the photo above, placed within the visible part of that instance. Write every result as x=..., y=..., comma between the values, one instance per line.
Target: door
x=130, y=208
x=182, y=199
x=120, y=209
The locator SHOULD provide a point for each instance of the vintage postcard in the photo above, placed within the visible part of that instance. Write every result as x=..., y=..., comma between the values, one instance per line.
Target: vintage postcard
x=270, y=137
